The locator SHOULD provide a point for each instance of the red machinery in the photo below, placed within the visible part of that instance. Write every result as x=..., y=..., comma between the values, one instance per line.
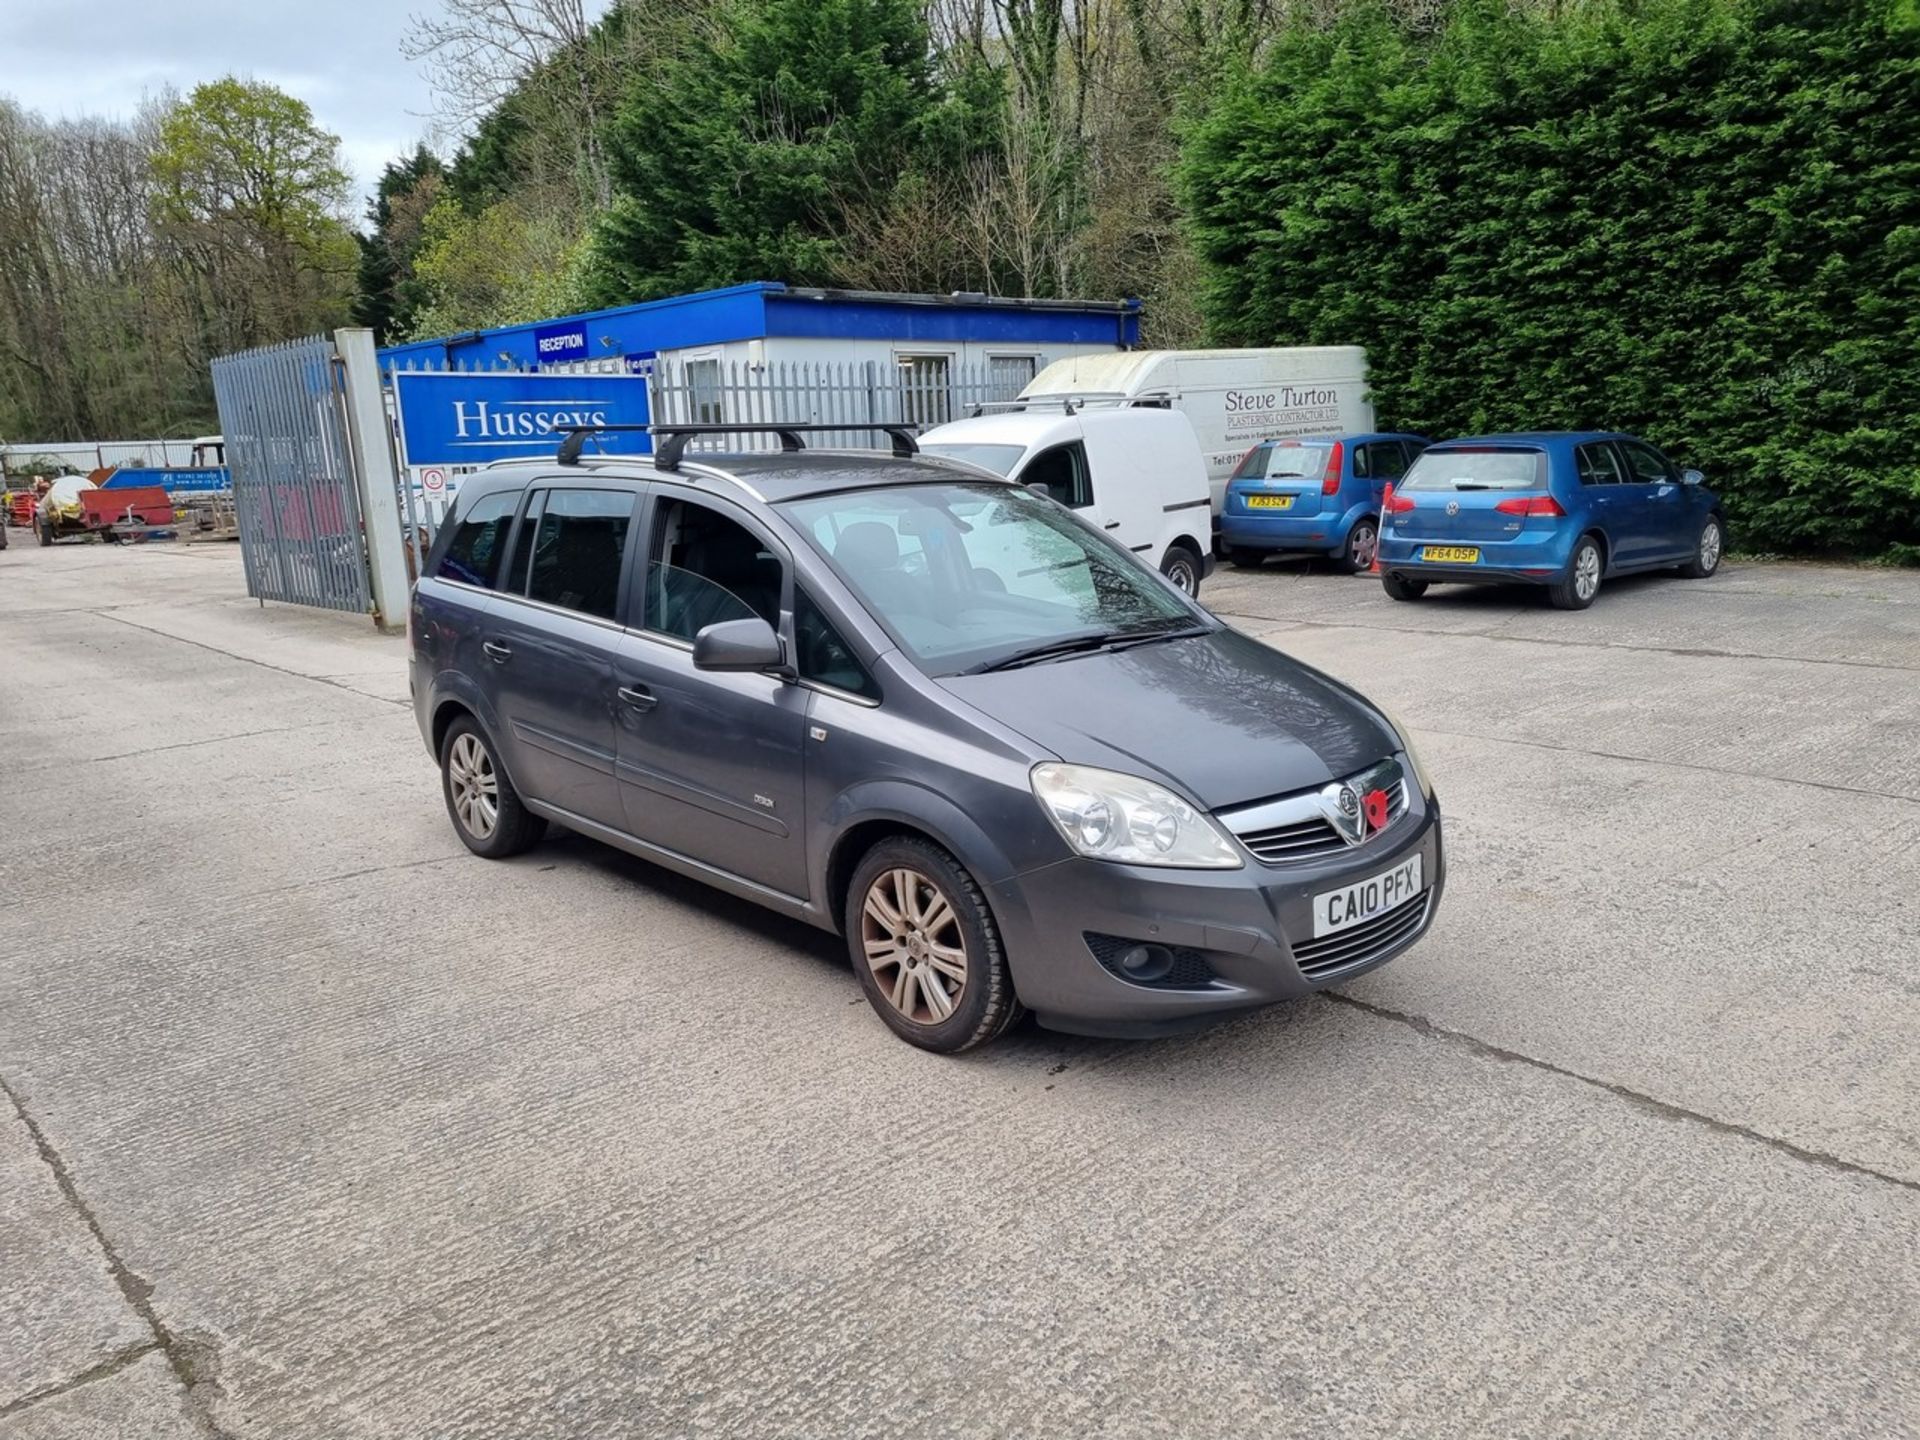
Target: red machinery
x=130, y=510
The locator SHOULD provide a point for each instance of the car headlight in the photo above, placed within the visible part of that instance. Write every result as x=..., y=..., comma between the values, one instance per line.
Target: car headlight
x=1407, y=748
x=1108, y=816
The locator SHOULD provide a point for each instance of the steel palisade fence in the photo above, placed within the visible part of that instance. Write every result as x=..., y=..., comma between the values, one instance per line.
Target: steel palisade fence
x=282, y=412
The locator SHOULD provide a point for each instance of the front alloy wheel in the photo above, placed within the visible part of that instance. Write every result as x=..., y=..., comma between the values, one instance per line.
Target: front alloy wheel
x=926, y=948
x=914, y=945
x=1706, y=554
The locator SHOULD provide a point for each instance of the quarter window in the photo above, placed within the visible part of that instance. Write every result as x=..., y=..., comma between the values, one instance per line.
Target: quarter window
x=473, y=555
x=704, y=568
x=825, y=658
x=579, y=543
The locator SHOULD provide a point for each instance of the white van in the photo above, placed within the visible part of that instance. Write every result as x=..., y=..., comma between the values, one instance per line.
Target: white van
x=1135, y=473
x=1235, y=398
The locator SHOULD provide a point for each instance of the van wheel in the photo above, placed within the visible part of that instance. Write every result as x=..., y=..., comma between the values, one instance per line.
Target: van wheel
x=1400, y=587
x=1363, y=543
x=926, y=949
x=485, y=808
x=1580, y=582
x=1182, y=567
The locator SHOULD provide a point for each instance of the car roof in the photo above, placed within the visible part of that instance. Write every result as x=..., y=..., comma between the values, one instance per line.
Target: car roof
x=1537, y=437
x=772, y=477
x=1044, y=424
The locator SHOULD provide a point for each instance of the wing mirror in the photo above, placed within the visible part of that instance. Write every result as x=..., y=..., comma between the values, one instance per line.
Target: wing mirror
x=1692, y=477
x=737, y=645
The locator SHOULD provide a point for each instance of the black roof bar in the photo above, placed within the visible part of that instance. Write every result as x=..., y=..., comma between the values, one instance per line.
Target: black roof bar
x=673, y=438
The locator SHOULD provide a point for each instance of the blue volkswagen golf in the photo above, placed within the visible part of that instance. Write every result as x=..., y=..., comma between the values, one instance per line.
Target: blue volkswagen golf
x=1563, y=509
x=1315, y=495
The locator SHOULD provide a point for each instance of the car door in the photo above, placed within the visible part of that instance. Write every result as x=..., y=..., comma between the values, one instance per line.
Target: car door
x=1376, y=465
x=1602, y=474
x=551, y=639
x=1665, y=512
x=710, y=763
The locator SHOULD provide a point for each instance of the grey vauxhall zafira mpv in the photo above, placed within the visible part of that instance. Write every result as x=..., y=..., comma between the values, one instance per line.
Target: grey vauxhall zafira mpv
x=914, y=703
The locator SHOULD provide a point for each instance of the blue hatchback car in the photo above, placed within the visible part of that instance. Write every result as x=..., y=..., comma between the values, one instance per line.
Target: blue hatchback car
x=1317, y=494
x=1555, y=508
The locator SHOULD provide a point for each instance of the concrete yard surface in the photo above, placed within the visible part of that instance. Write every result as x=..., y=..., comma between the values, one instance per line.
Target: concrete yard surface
x=315, y=1125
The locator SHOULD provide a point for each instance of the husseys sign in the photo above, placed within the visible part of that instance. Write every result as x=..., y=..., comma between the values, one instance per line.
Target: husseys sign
x=448, y=418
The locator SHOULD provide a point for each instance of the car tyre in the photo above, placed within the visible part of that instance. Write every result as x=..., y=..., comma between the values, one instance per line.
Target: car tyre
x=1363, y=543
x=1401, y=587
x=1577, y=587
x=45, y=528
x=1182, y=566
x=1707, y=550
x=486, y=810
x=926, y=949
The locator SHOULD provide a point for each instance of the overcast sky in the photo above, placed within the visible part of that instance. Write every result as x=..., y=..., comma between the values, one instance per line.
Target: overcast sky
x=96, y=57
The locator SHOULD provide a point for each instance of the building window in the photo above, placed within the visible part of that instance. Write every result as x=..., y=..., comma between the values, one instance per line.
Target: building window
x=926, y=391
x=703, y=387
x=1008, y=375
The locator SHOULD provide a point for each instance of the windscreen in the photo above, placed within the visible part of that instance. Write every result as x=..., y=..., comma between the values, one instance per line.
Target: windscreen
x=1477, y=468
x=1285, y=460
x=963, y=575
x=998, y=458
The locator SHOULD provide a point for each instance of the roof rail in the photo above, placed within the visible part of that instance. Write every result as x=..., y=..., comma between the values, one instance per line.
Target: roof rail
x=673, y=438
x=1076, y=400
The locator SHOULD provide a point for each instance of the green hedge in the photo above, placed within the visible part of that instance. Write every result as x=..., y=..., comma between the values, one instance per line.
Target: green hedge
x=1694, y=219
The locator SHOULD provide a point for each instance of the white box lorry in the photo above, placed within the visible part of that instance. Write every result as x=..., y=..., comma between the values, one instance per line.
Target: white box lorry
x=1233, y=398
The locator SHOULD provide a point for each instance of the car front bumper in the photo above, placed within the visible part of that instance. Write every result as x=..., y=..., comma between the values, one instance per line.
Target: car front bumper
x=1231, y=933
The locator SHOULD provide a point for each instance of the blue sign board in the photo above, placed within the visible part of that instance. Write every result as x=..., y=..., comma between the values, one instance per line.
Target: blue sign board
x=554, y=343
x=450, y=418
x=212, y=479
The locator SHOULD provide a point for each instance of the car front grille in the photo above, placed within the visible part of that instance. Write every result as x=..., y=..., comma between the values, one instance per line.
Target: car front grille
x=1358, y=944
x=1310, y=836
x=1189, y=969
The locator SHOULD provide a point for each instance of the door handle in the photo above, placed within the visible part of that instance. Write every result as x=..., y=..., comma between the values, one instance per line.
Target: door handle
x=638, y=696
x=1113, y=524
x=497, y=650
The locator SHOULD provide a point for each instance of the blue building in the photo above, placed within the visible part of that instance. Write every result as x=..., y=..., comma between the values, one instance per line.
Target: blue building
x=766, y=323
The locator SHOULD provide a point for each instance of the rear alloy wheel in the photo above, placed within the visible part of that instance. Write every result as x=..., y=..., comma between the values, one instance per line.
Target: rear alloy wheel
x=1401, y=587
x=1706, y=552
x=1182, y=567
x=487, y=813
x=1576, y=588
x=926, y=949
x=1363, y=543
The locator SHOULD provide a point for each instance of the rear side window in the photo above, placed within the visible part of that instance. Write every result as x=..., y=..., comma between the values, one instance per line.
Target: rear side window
x=579, y=546
x=1381, y=460
x=1598, y=465
x=1488, y=467
x=479, y=536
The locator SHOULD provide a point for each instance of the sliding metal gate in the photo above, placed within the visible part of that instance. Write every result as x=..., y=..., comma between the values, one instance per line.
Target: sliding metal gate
x=283, y=414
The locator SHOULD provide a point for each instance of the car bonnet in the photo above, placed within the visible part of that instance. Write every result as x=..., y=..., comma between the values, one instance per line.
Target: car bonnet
x=1220, y=716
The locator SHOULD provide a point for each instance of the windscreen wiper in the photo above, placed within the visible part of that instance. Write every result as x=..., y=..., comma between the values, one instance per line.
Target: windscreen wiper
x=1083, y=644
